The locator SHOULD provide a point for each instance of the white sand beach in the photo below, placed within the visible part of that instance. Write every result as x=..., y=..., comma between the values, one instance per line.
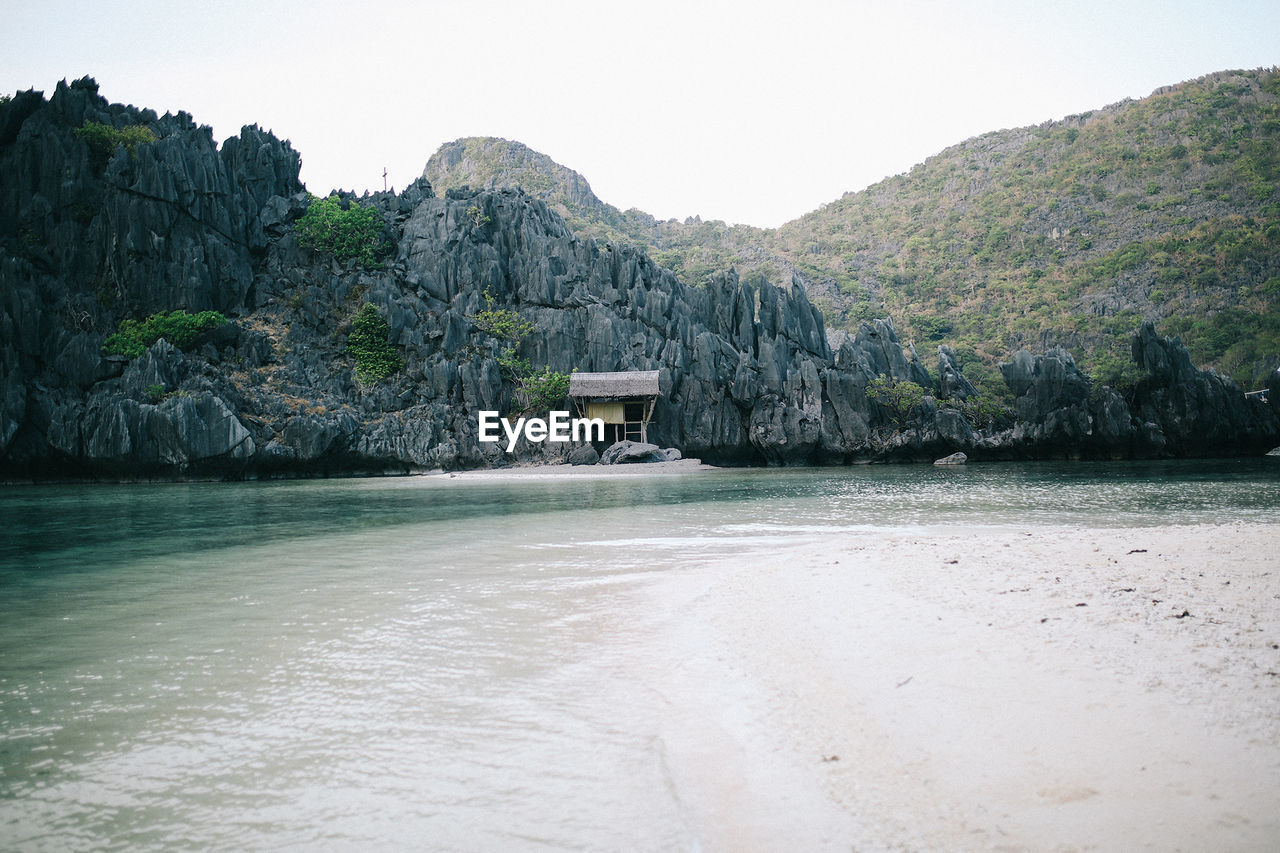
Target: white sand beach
x=987, y=688
x=1040, y=689
x=564, y=471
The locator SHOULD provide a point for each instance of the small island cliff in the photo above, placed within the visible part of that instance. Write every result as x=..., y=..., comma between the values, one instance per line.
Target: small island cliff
x=96, y=234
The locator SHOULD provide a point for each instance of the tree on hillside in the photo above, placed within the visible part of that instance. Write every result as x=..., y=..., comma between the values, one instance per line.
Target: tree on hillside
x=899, y=397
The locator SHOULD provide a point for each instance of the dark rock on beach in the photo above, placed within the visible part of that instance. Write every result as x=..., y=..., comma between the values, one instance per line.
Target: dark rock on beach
x=625, y=452
x=584, y=455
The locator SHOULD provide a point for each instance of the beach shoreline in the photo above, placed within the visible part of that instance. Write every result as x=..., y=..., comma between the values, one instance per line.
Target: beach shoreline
x=1007, y=689
x=565, y=471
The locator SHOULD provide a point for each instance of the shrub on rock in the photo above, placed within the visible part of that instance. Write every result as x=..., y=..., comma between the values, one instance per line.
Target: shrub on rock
x=370, y=345
x=353, y=231
x=179, y=328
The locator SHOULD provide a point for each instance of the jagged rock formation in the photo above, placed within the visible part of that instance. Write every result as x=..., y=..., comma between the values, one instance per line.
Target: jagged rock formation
x=747, y=371
x=180, y=223
x=1174, y=410
x=1188, y=407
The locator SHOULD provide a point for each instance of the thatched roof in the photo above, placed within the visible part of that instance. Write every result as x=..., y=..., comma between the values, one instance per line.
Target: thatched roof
x=627, y=383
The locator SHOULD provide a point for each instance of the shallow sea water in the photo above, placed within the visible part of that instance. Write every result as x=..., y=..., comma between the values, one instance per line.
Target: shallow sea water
x=425, y=663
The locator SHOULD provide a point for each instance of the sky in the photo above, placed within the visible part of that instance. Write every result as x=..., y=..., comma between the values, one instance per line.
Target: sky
x=748, y=112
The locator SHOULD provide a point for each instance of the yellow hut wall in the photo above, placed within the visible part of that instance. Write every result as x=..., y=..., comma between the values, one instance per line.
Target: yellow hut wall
x=610, y=413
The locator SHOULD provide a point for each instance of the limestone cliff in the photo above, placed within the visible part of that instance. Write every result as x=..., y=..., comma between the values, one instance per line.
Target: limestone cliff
x=748, y=373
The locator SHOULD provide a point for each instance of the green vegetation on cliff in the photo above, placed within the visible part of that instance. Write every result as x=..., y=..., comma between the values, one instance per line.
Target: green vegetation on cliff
x=535, y=391
x=179, y=328
x=369, y=344
x=345, y=231
x=899, y=397
x=501, y=323
x=103, y=139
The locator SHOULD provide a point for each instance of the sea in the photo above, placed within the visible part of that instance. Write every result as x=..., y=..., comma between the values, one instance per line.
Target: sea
x=429, y=662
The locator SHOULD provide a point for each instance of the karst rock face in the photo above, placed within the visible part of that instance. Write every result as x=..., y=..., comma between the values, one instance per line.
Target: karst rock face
x=91, y=236
x=1196, y=410
x=747, y=371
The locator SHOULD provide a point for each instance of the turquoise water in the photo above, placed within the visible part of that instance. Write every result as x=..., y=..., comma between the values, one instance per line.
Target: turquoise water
x=423, y=663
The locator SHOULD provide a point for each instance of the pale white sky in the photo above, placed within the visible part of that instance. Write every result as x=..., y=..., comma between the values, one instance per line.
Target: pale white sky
x=744, y=111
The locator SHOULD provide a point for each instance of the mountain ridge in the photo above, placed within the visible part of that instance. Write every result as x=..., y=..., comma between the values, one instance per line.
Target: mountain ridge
x=1070, y=232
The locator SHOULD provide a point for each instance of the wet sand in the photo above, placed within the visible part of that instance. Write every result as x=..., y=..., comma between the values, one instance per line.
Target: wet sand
x=1041, y=689
x=564, y=471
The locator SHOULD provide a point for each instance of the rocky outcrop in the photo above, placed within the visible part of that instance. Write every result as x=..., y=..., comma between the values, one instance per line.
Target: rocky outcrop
x=584, y=455
x=1174, y=410
x=951, y=382
x=1192, y=410
x=486, y=163
x=1051, y=401
x=628, y=452
x=177, y=222
x=740, y=367
x=747, y=372
x=88, y=239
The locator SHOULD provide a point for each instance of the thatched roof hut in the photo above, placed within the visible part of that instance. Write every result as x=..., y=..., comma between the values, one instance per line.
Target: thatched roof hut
x=623, y=400
x=605, y=386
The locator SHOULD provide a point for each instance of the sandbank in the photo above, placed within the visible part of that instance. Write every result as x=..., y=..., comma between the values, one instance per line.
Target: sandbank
x=565, y=471
x=991, y=689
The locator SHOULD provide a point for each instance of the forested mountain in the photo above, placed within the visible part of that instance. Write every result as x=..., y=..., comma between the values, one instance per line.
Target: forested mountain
x=1068, y=233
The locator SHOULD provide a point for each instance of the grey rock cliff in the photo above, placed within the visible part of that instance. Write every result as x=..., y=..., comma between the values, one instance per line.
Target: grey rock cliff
x=1194, y=409
x=747, y=372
